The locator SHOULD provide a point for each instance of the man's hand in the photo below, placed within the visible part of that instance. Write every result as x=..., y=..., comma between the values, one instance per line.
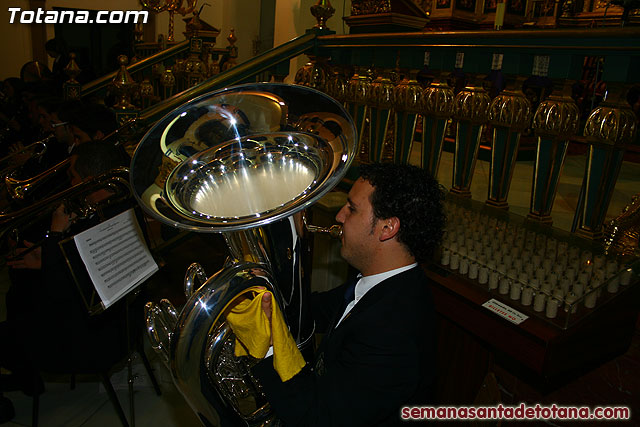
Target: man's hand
x=267, y=307
x=31, y=260
x=61, y=220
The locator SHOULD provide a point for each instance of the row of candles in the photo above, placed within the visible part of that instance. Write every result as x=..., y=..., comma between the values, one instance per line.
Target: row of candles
x=532, y=268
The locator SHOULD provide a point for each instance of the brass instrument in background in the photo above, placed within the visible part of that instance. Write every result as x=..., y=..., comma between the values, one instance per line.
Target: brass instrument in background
x=239, y=162
x=34, y=150
x=14, y=224
x=20, y=189
x=14, y=161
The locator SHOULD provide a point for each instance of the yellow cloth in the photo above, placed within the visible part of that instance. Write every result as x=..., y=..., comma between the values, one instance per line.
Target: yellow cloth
x=251, y=327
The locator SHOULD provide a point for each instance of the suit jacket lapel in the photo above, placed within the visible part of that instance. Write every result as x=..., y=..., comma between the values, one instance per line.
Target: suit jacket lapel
x=391, y=285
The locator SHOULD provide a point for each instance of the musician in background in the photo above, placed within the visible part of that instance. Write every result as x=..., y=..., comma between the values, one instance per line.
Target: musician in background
x=46, y=317
x=379, y=350
x=91, y=122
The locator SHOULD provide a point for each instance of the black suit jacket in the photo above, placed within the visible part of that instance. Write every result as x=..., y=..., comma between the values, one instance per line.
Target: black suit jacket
x=380, y=358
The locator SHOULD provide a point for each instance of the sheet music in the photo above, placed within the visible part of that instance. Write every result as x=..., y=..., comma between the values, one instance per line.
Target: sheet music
x=116, y=256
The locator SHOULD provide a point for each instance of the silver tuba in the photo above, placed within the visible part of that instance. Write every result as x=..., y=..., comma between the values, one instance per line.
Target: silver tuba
x=241, y=162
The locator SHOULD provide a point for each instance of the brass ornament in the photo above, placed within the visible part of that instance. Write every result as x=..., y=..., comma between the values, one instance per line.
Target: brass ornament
x=168, y=79
x=407, y=95
x=381, y=93
x=557, y=116
x=146, y=88
x=312, y=74
x=171, y=6
x=358, y=89
x=370, y=7
x=124, y=85
x=612, y=124
x=72, y=70
x=438, y=100
x=472, y=104
x=337, y=86
x=322, y=11
x=510, y=109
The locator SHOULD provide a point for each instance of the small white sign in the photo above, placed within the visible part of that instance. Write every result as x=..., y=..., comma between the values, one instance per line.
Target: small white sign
x=459, y=59
x=540, y=65
x=116, y=256
x=427, y=58
x=502, y=310
x=496, y=63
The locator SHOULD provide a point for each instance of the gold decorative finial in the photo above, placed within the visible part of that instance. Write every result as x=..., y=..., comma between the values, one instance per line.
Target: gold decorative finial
x=124, y=85
x=322, y=11
x=72, y=70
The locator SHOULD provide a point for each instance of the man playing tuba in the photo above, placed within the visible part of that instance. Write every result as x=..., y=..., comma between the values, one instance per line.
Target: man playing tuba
x=378, y=353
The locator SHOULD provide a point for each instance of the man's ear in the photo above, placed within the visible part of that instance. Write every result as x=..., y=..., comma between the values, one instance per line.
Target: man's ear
x=390, y=228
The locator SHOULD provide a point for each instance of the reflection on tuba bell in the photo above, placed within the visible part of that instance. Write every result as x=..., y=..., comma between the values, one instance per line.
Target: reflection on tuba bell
x=239, y=162
x=622, y=234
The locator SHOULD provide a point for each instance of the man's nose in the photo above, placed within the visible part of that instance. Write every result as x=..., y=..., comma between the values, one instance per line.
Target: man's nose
x=340, y=215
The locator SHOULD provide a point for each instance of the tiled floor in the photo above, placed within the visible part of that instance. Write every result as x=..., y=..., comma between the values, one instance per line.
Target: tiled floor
x=88, y=406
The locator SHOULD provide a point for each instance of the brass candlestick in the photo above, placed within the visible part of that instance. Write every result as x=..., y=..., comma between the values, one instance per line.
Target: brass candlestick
x=171, y=6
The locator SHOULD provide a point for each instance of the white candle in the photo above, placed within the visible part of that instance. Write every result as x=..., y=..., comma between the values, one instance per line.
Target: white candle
x=507, y=260
x=570, y=301
x=454, y=263
x=552, y=308
x=583, y=278
x=613, y=284
x=590, y=299
x=537, y=259
x=517, y=264
x=505, y=284
x=535, y=283
x=483, y=275
x=446, y=257
x=625, y=277
x=502, y=269
x=598, y=261
x=527, y=296
x=578, y=289
x=494, y=277
x=464, y=266
x=612, y=267
x=515, y=290
x=539, y=301
x=473, y=270
x=558, y=269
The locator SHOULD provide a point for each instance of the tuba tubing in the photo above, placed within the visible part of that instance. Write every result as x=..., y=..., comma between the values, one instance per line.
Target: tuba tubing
x=239, y=162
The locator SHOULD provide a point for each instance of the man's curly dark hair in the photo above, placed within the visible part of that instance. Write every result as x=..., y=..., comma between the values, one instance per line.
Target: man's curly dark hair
x=413, y=196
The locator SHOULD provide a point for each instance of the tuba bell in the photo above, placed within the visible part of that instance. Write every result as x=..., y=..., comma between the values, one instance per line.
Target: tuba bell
x=241, y=162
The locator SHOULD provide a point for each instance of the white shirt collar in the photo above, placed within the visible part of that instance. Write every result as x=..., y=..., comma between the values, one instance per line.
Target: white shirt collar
x=366, y=283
